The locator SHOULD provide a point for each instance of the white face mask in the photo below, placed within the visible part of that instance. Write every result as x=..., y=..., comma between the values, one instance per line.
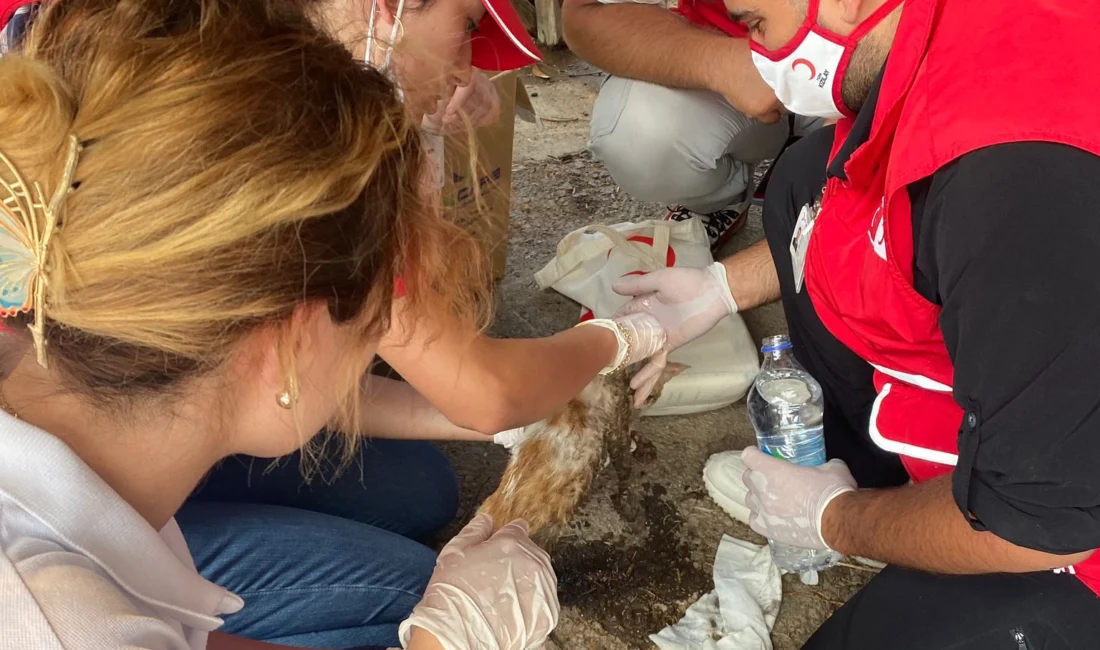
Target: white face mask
x=806, y=73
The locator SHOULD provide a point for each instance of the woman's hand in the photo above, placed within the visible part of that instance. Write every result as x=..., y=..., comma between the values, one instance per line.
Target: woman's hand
x=639, y=336
x=478, y=100
x=488, y=586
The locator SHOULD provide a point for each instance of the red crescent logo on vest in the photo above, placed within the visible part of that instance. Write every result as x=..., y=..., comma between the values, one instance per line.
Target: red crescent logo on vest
x=877, y=232
x=809, y=66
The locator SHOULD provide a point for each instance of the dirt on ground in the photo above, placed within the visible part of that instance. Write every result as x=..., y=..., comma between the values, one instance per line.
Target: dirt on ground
x=620, y=581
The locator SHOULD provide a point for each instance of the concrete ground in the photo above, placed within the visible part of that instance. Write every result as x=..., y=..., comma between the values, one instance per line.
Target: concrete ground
x=619, y=585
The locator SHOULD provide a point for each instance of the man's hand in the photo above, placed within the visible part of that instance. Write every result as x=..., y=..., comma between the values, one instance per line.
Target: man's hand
x=787, y=501
x=478, y=101
x=734, y=76
x=687, y=302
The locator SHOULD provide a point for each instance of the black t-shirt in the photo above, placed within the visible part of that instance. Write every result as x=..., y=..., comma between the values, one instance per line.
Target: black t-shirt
x=1007, y=241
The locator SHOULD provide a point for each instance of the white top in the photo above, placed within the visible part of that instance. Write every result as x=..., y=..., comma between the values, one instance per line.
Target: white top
x=80, y=569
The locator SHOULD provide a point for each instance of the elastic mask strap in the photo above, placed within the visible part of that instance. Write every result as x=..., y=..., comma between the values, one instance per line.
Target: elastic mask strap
x=874, y=19
x=388, y=57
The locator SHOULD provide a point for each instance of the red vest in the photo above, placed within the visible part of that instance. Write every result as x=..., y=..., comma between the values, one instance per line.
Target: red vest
x=960, y=76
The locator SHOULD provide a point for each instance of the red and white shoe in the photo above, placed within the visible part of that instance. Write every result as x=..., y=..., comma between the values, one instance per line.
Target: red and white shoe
x=720, y=225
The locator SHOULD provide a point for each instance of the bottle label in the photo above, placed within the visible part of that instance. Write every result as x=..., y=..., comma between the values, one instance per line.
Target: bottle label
x=806, y=448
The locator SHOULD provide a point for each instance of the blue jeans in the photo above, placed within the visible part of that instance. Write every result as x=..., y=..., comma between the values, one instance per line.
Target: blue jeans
x=329, y=564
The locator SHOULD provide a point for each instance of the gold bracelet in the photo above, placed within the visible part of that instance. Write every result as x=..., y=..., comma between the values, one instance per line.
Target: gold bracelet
x=622, y=337
x=626, y=337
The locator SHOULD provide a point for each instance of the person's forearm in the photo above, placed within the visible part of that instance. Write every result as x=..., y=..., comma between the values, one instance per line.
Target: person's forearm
x=530, y=378
x=646, y=42
x=751, y=276
x=421, y=640
x=393, y=409
x=223, y=641
x=539, y=376
x=920, y=526
x=490, y=385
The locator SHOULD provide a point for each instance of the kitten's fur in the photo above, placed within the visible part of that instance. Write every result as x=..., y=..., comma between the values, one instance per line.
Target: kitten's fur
x=551, y=471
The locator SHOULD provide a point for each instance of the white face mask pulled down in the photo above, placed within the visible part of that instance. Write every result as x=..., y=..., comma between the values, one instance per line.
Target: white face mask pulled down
x=432, y=137
x=808, y=72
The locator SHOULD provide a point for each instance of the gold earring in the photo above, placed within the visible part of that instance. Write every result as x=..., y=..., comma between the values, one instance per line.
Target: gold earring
x=287, y=398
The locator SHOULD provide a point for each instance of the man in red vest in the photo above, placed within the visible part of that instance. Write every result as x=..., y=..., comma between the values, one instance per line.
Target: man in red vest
x=685, y=115
x=943, y=290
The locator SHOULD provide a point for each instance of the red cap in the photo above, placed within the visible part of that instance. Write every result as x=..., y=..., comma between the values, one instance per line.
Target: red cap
x=8, y=7
x=501, y=41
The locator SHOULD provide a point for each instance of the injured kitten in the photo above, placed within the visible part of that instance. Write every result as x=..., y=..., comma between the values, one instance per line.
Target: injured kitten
x=551, y=469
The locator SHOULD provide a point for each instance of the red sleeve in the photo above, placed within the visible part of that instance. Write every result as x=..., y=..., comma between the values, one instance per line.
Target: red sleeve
x=711, y=13
x=399, y=287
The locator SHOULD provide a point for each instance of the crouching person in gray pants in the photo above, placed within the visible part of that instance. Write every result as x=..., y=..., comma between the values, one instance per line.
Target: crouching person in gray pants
x=685, y=116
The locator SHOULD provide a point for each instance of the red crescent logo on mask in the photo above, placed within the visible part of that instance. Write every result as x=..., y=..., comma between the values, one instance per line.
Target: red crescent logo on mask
x=809, y=66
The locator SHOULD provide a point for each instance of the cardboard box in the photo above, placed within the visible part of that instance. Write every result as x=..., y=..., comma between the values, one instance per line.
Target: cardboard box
x=479, y=198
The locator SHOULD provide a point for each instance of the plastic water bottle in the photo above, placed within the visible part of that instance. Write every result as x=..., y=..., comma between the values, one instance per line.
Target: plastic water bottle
x=786, y=407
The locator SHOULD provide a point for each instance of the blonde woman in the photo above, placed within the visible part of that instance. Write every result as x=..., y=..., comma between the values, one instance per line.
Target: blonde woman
x=205, y=207
x=462, y=385
x=299, y=553
x=332, y=581
x=482, y=385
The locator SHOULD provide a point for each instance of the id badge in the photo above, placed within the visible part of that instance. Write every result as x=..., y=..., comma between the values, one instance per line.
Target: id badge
x=800, y=241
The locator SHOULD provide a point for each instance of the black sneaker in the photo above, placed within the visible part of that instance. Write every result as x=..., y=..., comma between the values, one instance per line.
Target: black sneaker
x=720, y=225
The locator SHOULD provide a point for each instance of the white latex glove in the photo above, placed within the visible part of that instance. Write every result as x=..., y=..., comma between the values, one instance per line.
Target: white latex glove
x=687, y=302
x=494, y=592
x=645, y=380
x=640, y=336
x=786, y=501
x=478, y=100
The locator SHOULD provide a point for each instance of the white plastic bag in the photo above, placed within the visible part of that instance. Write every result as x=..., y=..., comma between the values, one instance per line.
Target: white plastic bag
x=741, y=611
x=721, y=364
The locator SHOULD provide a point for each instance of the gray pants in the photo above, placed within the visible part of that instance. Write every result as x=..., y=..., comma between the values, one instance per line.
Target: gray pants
x=674, y=146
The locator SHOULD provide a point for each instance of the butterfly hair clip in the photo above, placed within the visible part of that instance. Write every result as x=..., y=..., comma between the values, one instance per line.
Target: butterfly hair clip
x=27, y=223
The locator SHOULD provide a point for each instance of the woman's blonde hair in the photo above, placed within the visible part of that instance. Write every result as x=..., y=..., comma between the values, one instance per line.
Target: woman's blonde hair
x=236, y=163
